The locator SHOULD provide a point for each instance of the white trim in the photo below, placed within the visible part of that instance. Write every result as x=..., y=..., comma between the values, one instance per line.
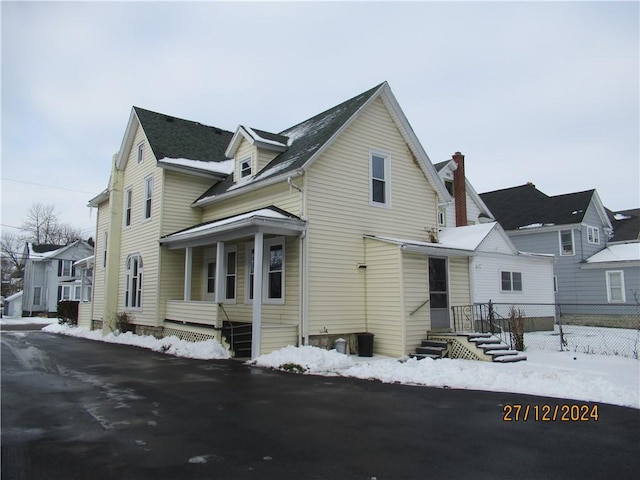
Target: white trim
x=386, y=157
x=256, y=315
x=230, y=300
x=129, y=291
x=608, y=274
x=573, y=243
x=247, y=273
x=148, y=198
x=242, y=161
x=595, y=233
x=140, y=152
x=271, y=242
x=511, y=282
x=128, y=207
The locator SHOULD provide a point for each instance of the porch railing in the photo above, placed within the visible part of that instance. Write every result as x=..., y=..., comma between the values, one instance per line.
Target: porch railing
x=482, y=318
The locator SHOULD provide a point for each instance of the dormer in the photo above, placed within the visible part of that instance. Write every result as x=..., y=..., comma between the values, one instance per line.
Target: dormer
x=252, y=150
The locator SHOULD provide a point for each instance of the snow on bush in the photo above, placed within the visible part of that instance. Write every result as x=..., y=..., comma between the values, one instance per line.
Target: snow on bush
x=311, y=359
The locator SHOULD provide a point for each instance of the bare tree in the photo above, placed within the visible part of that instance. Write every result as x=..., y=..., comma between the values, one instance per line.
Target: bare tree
x=11, y=250
x=42, y=226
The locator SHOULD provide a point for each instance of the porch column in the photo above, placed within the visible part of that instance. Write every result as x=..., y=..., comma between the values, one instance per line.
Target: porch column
x=257, y=294
x=188, y=265
x=219, y=272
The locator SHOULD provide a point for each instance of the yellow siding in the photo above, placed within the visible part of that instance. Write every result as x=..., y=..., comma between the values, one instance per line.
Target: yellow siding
x=99, y=271
x=84, y=314
x=340, y=214
x=280, y=195
x=264, y=157
x=245, y=150
x=384, y=316
x=274, y=337
x=241, y=311
x=416, y=291
x=459, y=281
x=178, y=193
x=141, y=237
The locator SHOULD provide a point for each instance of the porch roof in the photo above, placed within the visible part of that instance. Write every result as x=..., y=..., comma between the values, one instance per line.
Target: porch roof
x=270, y=220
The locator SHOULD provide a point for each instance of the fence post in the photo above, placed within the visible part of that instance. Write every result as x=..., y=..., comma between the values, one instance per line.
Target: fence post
x=563, y=342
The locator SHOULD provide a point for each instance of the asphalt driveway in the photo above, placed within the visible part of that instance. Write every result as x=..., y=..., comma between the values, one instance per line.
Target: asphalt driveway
x=76, y=409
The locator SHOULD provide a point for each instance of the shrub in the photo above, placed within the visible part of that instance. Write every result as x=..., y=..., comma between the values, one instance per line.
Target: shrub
x=68, y=312
x=517, y=329
x=124, y=322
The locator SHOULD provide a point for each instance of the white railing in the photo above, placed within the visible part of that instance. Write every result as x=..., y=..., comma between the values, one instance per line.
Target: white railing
x=203, y=313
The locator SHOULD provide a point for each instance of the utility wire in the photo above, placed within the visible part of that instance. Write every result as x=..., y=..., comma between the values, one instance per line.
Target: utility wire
x=48, y=186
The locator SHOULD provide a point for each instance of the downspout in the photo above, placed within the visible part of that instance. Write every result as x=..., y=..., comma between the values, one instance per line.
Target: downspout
x=301, y=270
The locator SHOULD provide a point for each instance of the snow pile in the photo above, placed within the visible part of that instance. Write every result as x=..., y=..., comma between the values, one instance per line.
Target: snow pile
x=312, y=359
x=566, y=375
x=205, y=350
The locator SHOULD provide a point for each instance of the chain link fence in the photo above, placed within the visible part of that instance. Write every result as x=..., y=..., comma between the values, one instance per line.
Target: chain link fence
x=602, y=329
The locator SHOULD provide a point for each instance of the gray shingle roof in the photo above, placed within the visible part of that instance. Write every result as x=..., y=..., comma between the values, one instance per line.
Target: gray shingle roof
x=304, y=140
x=626, y=224
x=172, y=137
x=526, y=205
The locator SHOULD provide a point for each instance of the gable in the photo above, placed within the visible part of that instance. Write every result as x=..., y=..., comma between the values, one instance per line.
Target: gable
x=309, y=139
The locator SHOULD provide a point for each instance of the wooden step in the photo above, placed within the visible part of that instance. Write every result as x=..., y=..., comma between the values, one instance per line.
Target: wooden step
x=519, y=357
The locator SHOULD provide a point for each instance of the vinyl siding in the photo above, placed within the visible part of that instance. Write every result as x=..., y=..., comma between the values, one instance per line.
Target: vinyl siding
x=275, y=337
x=537, y=279
x=415, y=269
x=264, y=157
x=384, y=314
x=178, y=193
x=99, y=270
x=459, y=293
x=594, y=283
x=279, y=195
x=495, y=243
x=141, y=237
x=245, y=150
x=340, y=213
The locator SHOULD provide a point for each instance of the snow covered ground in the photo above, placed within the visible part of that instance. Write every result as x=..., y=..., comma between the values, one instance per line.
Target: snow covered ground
x=571, y=375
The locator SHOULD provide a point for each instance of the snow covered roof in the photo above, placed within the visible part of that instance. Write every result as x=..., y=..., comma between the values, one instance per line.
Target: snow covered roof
x=272, y=219
x=626, y=252
x=306, y=141
x=464, y=240
x=218, y=170
x=16, y=295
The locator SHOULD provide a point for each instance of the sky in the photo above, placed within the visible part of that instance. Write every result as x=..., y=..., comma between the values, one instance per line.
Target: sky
x=608, y=377
x=542, y=92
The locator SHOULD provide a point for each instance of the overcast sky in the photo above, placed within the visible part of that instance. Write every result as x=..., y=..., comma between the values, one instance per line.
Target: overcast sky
x=541, y=92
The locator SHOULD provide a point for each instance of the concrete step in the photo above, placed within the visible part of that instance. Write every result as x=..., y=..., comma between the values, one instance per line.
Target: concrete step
x=493, y=346
x=421, y=356
x=519, y=357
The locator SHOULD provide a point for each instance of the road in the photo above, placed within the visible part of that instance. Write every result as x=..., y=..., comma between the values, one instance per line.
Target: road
x=78, y=409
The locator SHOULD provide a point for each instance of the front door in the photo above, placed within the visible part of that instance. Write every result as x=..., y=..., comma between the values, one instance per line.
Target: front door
x=438, y=293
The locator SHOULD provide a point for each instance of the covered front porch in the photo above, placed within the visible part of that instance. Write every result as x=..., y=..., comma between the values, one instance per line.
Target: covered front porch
x=241, y=270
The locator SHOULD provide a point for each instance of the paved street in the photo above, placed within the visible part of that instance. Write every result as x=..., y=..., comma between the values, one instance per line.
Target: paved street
x=77, y=409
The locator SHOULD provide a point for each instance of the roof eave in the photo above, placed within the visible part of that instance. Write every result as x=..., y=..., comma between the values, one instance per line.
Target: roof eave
x=197, y=172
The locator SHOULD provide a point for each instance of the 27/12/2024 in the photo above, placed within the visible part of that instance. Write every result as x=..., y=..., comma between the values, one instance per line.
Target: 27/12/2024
x=517, y=412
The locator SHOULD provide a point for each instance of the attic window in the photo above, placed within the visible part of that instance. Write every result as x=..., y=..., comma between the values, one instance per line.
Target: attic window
x=449, y=186
x=140, y=152
x=245, y=167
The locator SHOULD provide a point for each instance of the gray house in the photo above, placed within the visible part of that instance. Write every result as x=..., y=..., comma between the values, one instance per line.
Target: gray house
x=577, y=229
x=50, y=276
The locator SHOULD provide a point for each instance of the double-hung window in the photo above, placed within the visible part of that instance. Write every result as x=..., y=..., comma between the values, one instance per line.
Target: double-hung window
x=128, y=205
x=511, y=281
x=566, y=242
x=380, y=187
x=148, y=194
x=231, y=273
x=65, y=268
x=37, y=295
x=273, y=263
x=140, y=152
x=245, y=167
x=593, y=235
x=133, y=282
x=615, y=286
x=64, y=292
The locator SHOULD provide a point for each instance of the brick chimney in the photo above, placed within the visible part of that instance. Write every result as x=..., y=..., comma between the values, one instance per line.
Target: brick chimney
x=460, y=190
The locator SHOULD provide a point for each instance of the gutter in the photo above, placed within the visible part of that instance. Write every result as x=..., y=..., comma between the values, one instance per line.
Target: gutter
x=248, y=188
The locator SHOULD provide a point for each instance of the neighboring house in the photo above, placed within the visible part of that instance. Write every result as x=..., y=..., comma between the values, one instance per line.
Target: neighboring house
x=498, y=271
x=13, y=305
x=326, y=229
x=576, y=228
x=49, y=276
